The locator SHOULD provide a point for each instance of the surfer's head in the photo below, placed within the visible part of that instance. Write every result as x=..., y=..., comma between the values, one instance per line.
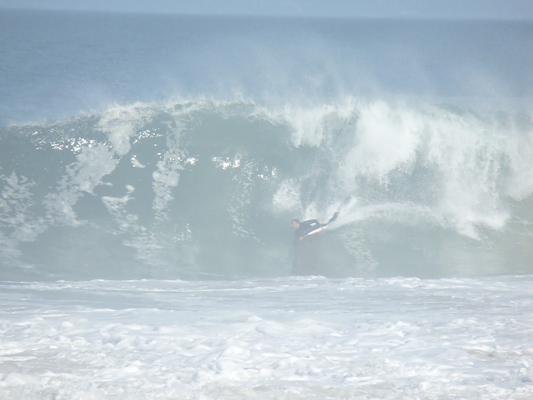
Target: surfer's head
x=295, y=223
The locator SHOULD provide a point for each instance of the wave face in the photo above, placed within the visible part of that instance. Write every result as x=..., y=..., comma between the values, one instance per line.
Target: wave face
x=204, y=189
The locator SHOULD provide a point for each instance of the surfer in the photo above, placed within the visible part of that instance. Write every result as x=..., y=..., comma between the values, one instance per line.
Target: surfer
x=307, y=253
x=303, y=229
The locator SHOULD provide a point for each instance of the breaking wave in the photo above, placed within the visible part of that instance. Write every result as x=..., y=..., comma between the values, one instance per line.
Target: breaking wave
x=205, y=189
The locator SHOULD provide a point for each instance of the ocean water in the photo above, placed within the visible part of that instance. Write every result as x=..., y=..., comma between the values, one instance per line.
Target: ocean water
x=149, y=168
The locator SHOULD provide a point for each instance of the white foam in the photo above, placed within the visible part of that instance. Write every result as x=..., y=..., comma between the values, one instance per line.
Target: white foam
x=135, y=163
x=309, y=337
x=477, y=162
x=16, y=219
x=287, y=197
x=165, y=180
x=121, y=122
x=82, y=176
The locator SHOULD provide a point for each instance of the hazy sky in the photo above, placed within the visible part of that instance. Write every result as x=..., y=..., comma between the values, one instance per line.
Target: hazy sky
x=497, y=9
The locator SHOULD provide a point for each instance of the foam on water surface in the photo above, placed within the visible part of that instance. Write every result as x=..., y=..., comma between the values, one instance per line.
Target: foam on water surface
x=297, y=338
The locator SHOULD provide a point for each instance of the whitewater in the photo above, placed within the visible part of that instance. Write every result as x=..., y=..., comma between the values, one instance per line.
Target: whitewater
x=293, y=338
x=150, y=166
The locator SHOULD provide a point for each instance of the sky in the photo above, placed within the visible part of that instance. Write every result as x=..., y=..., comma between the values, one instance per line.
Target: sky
x=477, y=9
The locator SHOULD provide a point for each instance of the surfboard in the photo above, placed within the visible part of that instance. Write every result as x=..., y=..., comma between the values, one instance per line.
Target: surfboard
x=315, y=231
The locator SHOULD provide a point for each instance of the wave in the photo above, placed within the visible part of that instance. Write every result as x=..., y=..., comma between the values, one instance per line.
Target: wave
x=205, y=189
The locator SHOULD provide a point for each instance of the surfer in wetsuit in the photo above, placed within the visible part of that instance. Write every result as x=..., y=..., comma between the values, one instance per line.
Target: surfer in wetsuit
x=306, y=260
x=303, y=229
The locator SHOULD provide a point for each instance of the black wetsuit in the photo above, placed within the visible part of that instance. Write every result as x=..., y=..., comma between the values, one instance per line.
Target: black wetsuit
x=307, y=227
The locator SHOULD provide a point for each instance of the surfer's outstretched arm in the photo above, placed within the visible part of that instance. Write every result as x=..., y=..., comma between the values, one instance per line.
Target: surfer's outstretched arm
x=333, y=218
x=320, y=227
